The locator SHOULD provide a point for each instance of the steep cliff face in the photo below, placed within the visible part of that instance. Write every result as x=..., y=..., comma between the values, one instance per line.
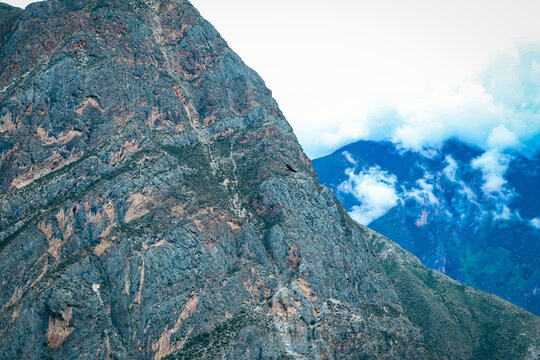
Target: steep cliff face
x=147, y=211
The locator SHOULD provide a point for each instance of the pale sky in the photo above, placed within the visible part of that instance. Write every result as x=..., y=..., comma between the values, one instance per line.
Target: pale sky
x=416, y=72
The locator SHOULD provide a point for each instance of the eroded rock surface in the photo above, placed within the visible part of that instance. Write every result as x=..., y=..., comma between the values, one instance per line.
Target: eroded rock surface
x=147, y=211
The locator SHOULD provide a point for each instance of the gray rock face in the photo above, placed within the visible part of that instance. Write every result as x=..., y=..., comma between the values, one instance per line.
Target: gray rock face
x=147, y=211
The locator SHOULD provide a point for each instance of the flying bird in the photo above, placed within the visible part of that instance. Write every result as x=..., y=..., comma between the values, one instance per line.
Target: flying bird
x=290, y=168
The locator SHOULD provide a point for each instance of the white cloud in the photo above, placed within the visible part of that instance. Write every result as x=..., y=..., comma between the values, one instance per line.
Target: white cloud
x=346, y=132
x=493, y=165
x=20, y=3
x=374, y=189
x=535, y=222
x=535, y=68
x=377, y=191
x=464, y=112
x=424, y=193
x=469, y=194
x=465, y=197
x=500, y=109
x=501, y=138
x=451, y=168
x=349, y=157
x=502, y=212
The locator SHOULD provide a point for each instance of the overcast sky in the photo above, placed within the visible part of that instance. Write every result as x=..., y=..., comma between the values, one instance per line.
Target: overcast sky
x=416, y=72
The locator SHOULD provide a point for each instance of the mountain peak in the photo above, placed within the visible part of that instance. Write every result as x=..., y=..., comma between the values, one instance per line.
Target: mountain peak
x=7, y=14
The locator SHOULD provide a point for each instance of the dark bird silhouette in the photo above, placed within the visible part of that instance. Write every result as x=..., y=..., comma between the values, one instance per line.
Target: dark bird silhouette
x=290, y=168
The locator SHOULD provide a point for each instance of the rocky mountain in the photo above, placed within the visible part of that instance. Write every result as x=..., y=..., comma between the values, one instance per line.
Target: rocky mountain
x=155, y=203
x=470, y=214
x=7, y=13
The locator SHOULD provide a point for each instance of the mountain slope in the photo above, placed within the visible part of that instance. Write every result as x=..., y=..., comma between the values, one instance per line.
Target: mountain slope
x=148, y=211
x=462, y=211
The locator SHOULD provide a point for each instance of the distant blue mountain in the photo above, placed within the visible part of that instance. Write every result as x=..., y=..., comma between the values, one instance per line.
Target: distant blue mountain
x=470, y=214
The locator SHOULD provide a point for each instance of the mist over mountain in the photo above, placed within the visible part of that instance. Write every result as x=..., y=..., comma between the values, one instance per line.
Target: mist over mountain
x=155, y=203
x=469, y=213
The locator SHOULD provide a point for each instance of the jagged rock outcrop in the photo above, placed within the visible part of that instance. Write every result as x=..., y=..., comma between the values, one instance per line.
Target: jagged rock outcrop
x=147, y=211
